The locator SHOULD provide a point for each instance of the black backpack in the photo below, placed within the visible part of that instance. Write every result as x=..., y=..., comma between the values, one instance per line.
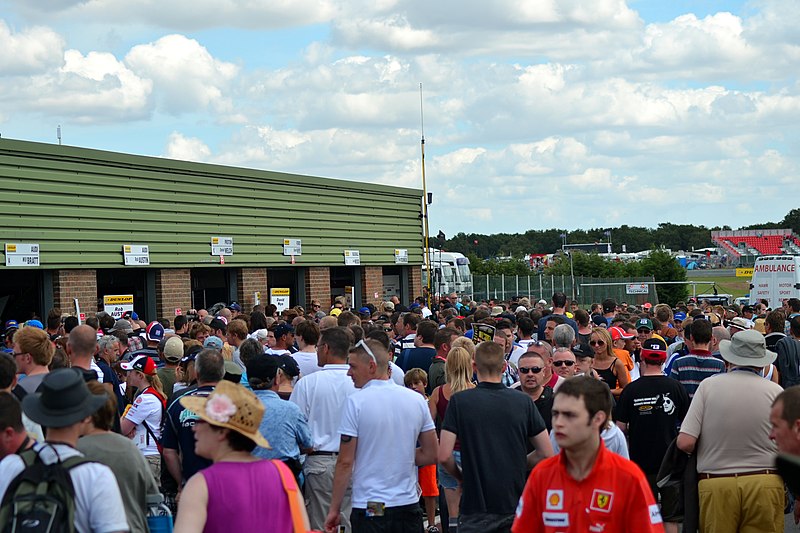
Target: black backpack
x=41, y=499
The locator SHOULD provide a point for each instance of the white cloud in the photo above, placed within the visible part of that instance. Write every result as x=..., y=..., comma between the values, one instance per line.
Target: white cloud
x=186, y=76
x=186, y=15
x=186, y=148
x=31, y=51
x=91, y=88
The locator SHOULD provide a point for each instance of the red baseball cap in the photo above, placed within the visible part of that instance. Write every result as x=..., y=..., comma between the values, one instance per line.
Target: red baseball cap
x=618, y=333
x=142, y=363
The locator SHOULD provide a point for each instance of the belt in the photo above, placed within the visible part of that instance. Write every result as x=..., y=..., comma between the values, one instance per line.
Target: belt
x=765, y=471
x=323, y=453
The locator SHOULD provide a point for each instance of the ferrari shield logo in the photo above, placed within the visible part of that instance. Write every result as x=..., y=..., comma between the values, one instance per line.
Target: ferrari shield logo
x=602, y=501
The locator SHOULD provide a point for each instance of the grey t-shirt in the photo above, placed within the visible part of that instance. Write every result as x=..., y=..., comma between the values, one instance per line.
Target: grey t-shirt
x=31, y=383
x=730, y=416
x=131, y=469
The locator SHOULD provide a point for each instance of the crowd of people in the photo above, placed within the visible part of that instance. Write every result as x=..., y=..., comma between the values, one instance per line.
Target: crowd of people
x=462, y=417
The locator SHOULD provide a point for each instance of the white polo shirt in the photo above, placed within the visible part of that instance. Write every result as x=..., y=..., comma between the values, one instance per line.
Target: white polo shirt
x=387, y=420
x=307, y=361
x=321, y=397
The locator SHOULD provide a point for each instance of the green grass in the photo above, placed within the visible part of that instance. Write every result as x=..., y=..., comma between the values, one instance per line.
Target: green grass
x=725, y=284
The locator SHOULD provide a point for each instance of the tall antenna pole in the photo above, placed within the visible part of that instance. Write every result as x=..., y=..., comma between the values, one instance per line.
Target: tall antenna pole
x=58, y=134
x=425, y=200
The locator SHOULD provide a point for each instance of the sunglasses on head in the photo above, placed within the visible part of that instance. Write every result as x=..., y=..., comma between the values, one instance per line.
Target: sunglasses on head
x=597, y=343
x=527, y=369
x=362, y=344
x=562, y=363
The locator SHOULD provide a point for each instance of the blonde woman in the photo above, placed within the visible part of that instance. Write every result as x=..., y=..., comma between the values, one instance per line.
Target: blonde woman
x=466, y=343
x=608, y=366
x=458, y=375
x=142, y=418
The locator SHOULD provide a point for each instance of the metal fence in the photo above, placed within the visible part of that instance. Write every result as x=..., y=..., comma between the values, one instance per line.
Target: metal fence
x=536, y=287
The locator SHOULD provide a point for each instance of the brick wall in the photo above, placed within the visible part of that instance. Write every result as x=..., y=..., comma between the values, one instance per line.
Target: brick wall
x=173, y=290
x=318, y=286
x=415, y=282
x=71, y=284
x=251, y=280
x=372, y=282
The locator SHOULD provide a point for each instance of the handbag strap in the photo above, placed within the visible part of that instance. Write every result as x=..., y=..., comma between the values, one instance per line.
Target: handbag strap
x=290, y=486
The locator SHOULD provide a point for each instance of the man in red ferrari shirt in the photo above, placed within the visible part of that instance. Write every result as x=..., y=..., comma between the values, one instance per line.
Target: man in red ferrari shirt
x=585, y=487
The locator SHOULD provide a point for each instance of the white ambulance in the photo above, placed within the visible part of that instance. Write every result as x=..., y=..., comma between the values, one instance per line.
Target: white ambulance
x=775, y=279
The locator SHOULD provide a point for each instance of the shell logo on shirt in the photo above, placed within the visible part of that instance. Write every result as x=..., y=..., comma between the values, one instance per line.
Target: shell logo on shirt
x=555, y=500
x=602, y=501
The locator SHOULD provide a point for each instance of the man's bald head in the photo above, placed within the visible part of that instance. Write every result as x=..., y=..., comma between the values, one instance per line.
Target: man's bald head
x=82, y=341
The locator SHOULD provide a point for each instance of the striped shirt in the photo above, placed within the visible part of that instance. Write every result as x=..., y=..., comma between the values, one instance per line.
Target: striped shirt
x=691, y=369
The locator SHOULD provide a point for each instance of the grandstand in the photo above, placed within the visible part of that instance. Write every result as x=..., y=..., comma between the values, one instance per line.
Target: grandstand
x=742, y=245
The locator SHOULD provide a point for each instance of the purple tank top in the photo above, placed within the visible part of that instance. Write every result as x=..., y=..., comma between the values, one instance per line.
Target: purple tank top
x=246, y=497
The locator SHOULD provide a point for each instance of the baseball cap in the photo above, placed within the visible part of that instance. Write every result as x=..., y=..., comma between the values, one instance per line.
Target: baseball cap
x=365, y=311
x=283, y=329
x=599, y=320
x=654, y=350
x=644, y=323
x=191, y=354
x=680, y=315
x=389, y=306
x=741, y=323
x=11, y=324
x=583, y=350
x=34, y=324
x=154, y=331
x=263, y=368
x=122, y=325
x=142, y=363
x=235, y=307
x=173, y=349
x=213, y=342
x=289, y=366
x=618, y=333
x=647, y=305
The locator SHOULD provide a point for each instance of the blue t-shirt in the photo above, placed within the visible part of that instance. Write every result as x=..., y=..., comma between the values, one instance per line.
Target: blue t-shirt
x=416, y=358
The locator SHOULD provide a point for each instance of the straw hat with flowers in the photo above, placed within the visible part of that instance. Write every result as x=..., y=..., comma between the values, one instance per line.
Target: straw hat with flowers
x=230, y=406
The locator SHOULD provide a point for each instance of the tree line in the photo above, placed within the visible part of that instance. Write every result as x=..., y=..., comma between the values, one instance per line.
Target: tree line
x=635, y=238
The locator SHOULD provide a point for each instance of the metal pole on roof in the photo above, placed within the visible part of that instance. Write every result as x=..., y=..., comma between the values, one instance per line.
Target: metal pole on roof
x=425, y=197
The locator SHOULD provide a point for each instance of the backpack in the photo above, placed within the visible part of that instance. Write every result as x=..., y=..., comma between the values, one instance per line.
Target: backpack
x=41, y=499
x=150, y=433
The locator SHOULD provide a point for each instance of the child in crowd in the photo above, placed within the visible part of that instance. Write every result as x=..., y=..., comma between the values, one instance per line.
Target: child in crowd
x=417, y=380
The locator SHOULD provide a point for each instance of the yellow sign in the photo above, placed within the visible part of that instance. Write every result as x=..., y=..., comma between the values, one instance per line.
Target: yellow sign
x=744, y=272
x=11, y=248
x=279, y=292
x=122, y=299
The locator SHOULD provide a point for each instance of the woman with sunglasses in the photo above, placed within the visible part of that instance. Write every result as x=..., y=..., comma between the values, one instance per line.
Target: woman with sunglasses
x=608, y=366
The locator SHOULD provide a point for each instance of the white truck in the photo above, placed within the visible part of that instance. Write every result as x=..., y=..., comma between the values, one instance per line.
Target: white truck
x=450, y=273
x=775, y=279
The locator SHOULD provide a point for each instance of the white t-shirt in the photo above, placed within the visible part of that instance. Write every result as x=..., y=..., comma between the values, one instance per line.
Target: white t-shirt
x=93, y=483
x=270, y=351
x=398, y=376
x=93, y=366
x=307, y=361
x=146, y=408
x=321, y=397
x=387, y=420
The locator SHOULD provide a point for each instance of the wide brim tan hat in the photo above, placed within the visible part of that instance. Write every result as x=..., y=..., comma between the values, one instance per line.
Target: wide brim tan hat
x=747, y=348
x=230, y=406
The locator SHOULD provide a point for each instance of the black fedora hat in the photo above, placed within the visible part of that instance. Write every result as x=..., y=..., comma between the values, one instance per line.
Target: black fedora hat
x=63, y=399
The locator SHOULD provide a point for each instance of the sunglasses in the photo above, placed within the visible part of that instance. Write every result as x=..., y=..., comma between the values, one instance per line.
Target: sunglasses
x=562, y=363
x=597, y=343
x=362, y=344
x=527, y=369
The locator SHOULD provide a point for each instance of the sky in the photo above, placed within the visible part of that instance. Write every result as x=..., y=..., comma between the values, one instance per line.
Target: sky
x=537, y=113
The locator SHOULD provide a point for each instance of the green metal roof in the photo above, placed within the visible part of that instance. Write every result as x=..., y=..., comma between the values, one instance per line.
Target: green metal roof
x=81, y=206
